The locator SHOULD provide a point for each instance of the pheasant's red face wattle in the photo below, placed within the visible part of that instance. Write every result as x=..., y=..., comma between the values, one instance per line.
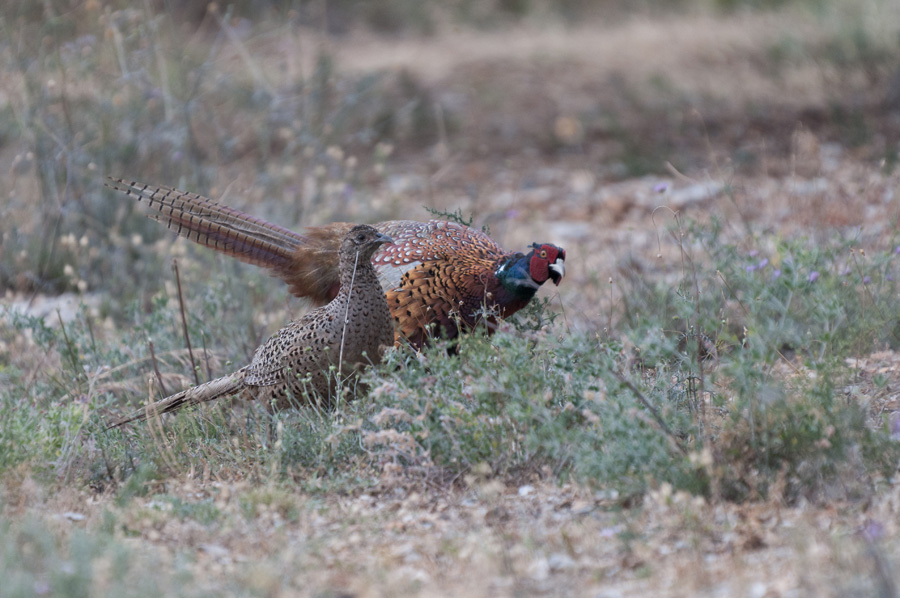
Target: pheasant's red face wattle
x=547, y=262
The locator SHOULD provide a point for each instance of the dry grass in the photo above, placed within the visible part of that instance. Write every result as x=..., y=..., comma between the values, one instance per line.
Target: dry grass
x=555, y=134
x=404, y=537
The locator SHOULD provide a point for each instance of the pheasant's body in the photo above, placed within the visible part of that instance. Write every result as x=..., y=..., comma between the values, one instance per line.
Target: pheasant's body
x=440, y=271
x=308, y=356
x=436, y=272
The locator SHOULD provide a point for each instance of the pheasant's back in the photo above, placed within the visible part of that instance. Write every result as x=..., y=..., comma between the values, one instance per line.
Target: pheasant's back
x=436, y=272
x=416, y=243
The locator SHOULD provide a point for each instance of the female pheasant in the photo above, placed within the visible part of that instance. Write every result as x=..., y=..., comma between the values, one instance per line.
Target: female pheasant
x=437, y=275
x=308, y=357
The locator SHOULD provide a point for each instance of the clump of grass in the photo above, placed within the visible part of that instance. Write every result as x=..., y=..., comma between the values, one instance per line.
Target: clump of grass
x=804, y=317
x=768, y=331
x=271, y=497
x=37, y=560
x=123, y=89
x=731, y=382
x=520, y=402
x=89, y=370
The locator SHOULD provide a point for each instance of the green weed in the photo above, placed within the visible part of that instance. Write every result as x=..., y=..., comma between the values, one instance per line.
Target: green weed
x=38, y=561
x=728, y=382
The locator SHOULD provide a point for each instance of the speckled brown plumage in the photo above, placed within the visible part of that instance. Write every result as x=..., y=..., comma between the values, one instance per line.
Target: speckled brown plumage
x=307, y=357
x=436, y=272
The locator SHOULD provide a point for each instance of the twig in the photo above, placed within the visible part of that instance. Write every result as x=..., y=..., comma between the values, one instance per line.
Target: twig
x=610, y=314
x=118, y=43
x=243, y=53
x=109, y=470
x=184, y=326
x=89, y=321
x=71, y=350
x=161, y=64
x=206, y=357
x=346, y=321
x=747, y=313
x=646, y=402
x=159, y=379
x=156, y=430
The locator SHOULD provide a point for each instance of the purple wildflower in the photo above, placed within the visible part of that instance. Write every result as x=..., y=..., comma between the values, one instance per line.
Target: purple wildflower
x=763, y=263
x=663, y=187
x=845, y=271
x=867, y=279
x=813, y=276
x=753, y=253
x=897, y=249
x=750, y=268
x=872, y=530
x=776, y=273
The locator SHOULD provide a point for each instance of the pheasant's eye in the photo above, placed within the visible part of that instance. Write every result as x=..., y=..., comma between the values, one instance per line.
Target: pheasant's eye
x=360, y=237
x=543, y=253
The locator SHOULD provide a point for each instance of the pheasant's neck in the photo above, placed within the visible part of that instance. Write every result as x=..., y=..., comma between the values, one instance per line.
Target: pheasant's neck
x=516, y=284
x=357, y=273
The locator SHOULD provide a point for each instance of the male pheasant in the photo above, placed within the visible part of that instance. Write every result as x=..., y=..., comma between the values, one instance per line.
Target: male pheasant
x=307, y=357
x=436, y=273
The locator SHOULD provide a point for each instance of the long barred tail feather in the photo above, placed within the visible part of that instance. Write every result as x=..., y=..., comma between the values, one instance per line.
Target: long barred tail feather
x=210, y=391
x=307, y=263
x=232, y=232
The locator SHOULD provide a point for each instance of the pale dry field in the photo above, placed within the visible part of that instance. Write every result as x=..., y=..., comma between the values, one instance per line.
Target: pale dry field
x=704, y=84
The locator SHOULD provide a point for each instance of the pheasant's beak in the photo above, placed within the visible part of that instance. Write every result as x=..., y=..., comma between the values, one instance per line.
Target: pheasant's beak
x=382, y=238
x=558, y=270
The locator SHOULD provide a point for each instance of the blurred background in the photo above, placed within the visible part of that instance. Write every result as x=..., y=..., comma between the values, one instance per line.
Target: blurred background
x=593, y=124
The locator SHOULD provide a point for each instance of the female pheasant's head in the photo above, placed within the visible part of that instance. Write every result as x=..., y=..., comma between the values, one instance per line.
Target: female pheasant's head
x=522, y=274
x=363, y=240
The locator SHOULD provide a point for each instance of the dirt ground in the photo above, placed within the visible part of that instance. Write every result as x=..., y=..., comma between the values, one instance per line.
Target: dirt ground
x=715, y=101
x=407, y=537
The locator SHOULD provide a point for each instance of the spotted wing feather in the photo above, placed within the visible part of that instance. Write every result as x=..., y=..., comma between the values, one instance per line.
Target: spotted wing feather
x=435, y=272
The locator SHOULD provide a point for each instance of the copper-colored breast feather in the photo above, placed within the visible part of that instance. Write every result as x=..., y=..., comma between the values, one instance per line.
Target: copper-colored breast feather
x=442, y=291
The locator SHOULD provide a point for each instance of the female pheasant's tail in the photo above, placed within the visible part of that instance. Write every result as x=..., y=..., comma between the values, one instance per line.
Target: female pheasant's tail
x=219, y=227
x=210, y=391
